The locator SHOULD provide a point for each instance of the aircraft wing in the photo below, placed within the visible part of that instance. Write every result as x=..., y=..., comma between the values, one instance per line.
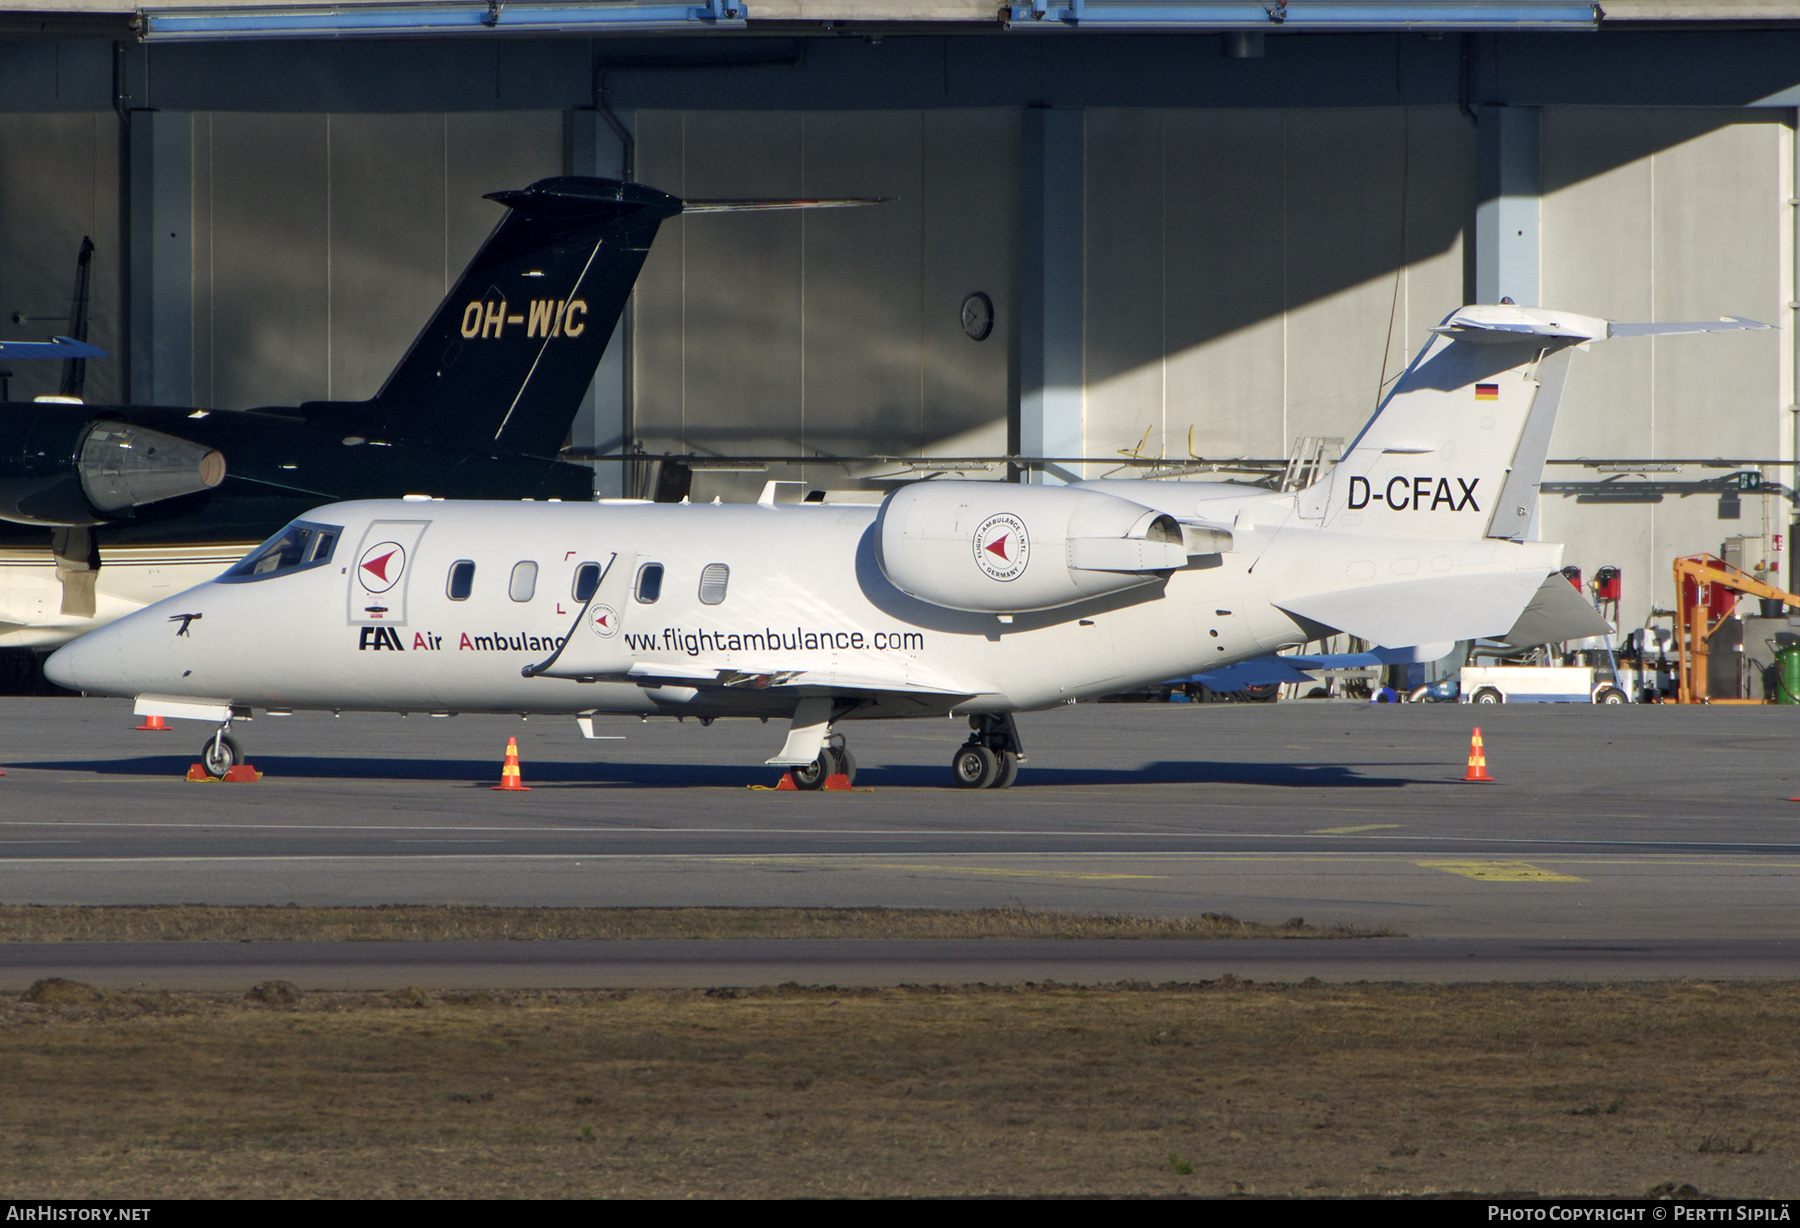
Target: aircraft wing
x=1431, y=610
x=1260, y=672
x=1263, y=670
x=1556, y=613
x=57, y=347
x=753, y=678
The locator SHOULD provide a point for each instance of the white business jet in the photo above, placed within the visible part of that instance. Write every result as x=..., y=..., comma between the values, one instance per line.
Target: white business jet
x=981, y=599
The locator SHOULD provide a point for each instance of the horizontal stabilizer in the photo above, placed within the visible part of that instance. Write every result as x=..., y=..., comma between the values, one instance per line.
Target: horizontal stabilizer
x=1724, y=324
x=764, y=206
x=1426, y=611
x=1504, y=322
x=1556, y=613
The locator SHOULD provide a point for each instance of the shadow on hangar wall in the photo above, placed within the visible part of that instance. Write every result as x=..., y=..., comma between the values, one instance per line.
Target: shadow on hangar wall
x=960, y=68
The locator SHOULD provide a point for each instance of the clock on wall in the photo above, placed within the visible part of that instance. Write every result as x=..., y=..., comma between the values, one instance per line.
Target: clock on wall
x=978, y=316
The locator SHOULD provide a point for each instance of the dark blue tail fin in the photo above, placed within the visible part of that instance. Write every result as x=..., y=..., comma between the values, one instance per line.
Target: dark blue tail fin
x=504, y=363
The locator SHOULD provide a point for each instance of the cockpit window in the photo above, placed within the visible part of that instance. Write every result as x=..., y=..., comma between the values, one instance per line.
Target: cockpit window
x=300, y=546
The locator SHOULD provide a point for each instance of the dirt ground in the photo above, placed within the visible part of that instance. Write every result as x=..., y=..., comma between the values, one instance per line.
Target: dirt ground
x=1211, y=1089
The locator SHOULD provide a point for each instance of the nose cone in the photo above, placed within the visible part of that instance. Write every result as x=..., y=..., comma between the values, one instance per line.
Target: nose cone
x=127, y=657
x=84, y=664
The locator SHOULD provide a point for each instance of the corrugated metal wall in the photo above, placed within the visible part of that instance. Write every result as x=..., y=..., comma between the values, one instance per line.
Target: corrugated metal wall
x=322, y=243
x=1250, y=274
x=1255, y=275
x=834, y=330
x=59, y=181
x=1667, y=215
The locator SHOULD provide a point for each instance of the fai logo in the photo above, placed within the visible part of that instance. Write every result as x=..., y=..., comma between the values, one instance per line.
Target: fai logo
x=1001, y=547
x=604, y=620
x=380, y=566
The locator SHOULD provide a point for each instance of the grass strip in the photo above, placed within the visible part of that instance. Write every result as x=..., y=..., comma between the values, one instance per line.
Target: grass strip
x=1211, y=1089
x=422, y=923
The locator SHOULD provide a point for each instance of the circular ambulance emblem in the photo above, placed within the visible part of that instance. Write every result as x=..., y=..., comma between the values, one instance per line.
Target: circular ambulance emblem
x=1001, y=547
x=380, y=566
x=604, y=620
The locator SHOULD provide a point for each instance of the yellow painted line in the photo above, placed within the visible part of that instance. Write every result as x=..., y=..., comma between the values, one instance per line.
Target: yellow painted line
x=1501, y=871
x=981, y=870
x=1344, y=831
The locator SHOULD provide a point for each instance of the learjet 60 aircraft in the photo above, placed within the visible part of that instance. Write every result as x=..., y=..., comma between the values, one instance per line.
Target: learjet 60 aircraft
x=980, y=599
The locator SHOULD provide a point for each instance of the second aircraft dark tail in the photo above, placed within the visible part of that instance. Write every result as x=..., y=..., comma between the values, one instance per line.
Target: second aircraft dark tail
x=506, y=359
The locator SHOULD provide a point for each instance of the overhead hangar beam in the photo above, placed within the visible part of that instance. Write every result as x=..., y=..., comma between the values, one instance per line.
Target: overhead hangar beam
x=282, y=21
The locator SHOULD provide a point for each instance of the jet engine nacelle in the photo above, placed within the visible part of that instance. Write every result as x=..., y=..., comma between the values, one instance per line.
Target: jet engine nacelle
x=999, y=548
x=76, y=472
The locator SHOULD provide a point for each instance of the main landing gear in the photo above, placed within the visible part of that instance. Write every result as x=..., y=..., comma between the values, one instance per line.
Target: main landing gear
x=834, y=760
x=991, y=757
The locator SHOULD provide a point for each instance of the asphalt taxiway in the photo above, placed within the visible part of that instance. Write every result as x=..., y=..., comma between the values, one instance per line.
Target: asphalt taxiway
x=1658, y=824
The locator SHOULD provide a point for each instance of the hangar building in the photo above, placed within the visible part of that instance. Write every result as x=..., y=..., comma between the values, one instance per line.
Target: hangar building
x=1204, y=228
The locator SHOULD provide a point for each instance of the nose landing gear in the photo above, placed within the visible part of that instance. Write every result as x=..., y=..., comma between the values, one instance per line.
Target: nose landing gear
x=221, y=753
x=991, y=757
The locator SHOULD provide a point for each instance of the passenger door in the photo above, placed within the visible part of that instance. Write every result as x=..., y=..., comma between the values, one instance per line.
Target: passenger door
x=380, y=570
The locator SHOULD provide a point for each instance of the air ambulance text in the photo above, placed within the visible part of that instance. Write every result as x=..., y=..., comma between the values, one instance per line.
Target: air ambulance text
x=693, y=643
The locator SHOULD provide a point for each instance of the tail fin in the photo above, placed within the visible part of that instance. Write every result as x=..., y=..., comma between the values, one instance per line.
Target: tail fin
x=506, y=359
x=1457, y=449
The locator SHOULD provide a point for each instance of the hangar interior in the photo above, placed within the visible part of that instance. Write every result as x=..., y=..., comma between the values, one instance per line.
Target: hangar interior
x=1189, y=239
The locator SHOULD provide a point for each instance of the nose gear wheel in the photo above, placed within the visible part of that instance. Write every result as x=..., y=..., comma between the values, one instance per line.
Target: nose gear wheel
x=220, y=754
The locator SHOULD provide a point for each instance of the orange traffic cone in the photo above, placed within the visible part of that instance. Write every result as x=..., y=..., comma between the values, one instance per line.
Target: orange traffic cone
x=1477, y=772
x=787, y=782
x=154, y=724
x=509, y=774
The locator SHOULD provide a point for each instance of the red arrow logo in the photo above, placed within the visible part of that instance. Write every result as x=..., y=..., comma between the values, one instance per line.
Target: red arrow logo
x=602, y=621
x=379, y=566
x=998, y=546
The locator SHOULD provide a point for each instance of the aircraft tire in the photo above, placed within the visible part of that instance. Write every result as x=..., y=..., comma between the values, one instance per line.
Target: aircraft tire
x=974, y=767
x=846, y=763
x=813, y=775
x=227, y=756
x=1007, y=772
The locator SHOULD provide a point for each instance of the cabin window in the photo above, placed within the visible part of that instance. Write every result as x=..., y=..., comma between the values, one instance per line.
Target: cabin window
x=649, y=583
x=462, y=580
x=587, y=579
x=298, y=547
x=524, y=581
x=713, y=582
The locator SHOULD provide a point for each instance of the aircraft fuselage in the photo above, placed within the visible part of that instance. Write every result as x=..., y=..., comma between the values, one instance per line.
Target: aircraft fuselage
x=805, y=609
